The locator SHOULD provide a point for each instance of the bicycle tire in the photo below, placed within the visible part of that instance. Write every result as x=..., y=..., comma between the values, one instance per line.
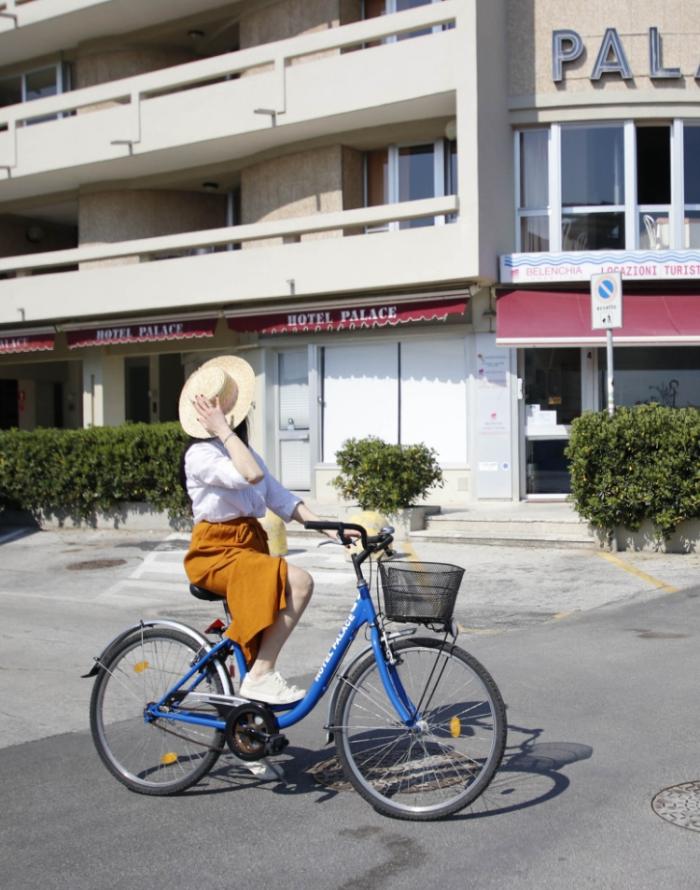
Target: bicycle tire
x=446, y=762
x=160, y=757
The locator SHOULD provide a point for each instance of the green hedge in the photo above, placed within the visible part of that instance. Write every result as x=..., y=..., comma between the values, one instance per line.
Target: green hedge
x=641, y=463
x=385, y=477
x=80, y=473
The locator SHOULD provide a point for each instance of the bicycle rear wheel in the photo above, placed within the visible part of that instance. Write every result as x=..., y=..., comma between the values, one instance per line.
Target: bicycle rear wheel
x=159, y=756
x=443, y=763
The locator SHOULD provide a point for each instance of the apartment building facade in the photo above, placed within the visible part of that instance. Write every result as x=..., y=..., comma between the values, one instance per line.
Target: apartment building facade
x=360, y=198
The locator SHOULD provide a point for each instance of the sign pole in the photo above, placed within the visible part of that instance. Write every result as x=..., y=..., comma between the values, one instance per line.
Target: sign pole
x=611, y=379
x=606, y=314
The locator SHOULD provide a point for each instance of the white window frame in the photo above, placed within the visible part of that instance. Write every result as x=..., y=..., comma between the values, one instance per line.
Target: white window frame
x=524, y=212
x=439, y=179
x=633, y=211
x=678, y=183
x=391, y=9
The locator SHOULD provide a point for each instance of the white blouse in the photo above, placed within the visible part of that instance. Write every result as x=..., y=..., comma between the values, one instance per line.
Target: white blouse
x=219, y=492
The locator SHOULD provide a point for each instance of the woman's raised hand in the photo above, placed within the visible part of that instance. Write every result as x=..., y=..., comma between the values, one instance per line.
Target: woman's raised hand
x=211, y=416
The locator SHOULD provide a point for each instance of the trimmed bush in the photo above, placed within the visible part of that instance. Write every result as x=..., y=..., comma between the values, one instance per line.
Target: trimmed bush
x=384, y=477
x=643, y=463
x=80, y=473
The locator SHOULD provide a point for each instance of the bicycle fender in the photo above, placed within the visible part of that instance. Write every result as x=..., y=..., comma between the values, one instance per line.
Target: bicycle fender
x=336, y=692
x=193, y=634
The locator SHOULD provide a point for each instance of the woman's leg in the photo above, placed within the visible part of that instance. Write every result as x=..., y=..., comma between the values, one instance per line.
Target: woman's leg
x=300, y=586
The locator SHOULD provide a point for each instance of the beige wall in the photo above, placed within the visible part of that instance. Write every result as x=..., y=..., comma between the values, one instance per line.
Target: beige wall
x=289, y=18
x=127, y=214
x=530, y=26
x=102, y=61
x=494, y=139
x=322, y=180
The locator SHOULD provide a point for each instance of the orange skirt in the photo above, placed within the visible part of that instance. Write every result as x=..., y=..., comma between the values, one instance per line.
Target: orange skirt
x=232, y=559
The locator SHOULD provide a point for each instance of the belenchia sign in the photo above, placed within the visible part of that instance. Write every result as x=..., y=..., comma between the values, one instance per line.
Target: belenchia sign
x=568, y=46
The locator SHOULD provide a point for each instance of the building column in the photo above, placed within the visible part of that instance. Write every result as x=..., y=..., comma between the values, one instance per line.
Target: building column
x=26, y=403
x=103, y=391
x=154, y=388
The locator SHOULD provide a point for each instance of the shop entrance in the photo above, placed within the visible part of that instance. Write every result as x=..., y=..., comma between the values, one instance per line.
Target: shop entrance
x=9, y=404
x=293, y=414
x=552, y=396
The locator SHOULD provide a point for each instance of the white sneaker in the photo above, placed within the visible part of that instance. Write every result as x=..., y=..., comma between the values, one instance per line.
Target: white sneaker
x=271, y=689
x=262, y=769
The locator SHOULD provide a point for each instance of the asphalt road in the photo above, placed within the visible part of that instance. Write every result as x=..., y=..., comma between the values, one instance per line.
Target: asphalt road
x=602, y=713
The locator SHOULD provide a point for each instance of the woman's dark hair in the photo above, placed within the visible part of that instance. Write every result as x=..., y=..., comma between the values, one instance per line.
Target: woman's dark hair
x=241, y=431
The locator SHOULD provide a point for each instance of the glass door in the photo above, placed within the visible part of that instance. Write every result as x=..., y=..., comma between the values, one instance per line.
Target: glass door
x=293, y=419
x=552, y=394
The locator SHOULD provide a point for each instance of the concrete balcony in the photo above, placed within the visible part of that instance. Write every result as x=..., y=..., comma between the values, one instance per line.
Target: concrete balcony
x=224, y=109
x=160, y=277
x=33, y=28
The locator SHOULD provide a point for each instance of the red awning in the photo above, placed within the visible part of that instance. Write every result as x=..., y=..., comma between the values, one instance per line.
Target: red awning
x=563, y=318
x=141, y=331
x=313, y=319
x=26, y=341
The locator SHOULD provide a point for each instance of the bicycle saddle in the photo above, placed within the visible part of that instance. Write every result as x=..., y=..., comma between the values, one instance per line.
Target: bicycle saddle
x=202, y=594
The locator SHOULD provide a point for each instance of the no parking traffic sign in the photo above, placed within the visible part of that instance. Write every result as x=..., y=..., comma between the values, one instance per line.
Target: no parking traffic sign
x=606, y=301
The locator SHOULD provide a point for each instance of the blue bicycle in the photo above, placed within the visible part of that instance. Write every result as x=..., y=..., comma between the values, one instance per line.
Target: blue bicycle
x=419, y=724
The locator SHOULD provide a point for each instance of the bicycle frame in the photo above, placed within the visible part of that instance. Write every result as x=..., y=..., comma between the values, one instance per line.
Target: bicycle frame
x=362, y=613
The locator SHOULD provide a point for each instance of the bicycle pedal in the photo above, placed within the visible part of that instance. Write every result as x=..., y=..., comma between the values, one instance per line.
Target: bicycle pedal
x=276, y=743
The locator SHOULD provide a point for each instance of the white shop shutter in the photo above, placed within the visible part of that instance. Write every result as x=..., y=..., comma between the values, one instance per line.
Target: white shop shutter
x=360, y=394
x=434, y=396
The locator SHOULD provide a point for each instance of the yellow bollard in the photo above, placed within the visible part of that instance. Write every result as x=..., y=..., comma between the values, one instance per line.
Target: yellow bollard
x=276, y=533
x=369, y=519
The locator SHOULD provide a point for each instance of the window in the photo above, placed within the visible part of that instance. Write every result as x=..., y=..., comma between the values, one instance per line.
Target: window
x=410, y=173
x=32, y=85
x=653, y=156
x=416, y=171
x=374, y=8
x=691, y=186
x=592, y=188
x=666, y=376
x=607, y=186
x=400, y=392
x=533, y=188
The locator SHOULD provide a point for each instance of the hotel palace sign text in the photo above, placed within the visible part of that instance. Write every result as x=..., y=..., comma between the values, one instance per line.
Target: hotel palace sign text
x=567, y=47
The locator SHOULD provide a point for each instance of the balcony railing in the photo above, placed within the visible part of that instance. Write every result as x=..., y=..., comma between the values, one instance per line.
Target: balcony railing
x=135, y=92
x=146, y=249
x=203, y=273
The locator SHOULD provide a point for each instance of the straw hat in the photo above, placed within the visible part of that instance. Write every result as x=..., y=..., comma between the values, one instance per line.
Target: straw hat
x=231, y=379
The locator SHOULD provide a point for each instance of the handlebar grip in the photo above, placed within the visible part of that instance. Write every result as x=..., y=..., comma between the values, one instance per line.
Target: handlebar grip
x=340, y=527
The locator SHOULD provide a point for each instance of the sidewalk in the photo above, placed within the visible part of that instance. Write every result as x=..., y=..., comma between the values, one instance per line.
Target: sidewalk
x=524, y=523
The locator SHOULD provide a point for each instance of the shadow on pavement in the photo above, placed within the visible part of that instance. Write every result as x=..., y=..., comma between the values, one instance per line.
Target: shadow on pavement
x=8, y=534
x=529, y=775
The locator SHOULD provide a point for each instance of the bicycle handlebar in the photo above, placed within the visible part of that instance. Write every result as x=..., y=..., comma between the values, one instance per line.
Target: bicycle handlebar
x=370, y=543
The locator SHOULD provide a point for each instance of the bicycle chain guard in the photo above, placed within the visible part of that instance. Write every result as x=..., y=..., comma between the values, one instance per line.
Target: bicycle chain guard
x=252, y=732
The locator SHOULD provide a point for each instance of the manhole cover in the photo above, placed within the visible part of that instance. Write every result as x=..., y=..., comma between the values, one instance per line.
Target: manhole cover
x=679, y=804
x=95, y=564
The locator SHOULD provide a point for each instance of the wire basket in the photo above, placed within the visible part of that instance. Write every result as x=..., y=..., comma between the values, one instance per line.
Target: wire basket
x=420, y=592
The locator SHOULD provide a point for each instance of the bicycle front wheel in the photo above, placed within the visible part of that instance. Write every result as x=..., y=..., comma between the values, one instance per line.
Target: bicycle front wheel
x=448, y=758
x=158, y=756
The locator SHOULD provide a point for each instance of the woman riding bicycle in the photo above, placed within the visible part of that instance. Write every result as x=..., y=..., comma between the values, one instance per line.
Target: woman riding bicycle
x=230, y=488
